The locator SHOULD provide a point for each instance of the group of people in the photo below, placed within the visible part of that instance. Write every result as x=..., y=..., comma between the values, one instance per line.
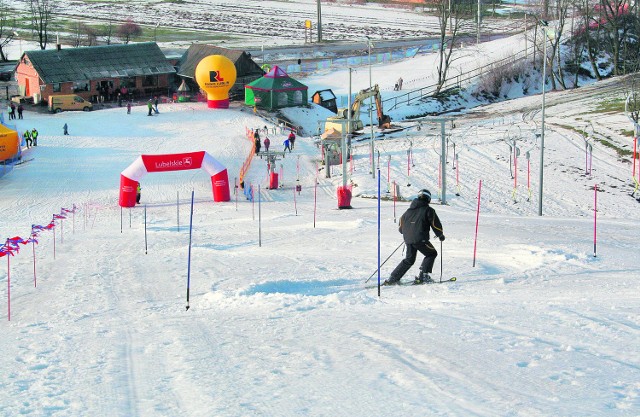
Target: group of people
x=108, y=93
x=31, y=137
x=288, y=143
x=11, y=110
x=152, y=105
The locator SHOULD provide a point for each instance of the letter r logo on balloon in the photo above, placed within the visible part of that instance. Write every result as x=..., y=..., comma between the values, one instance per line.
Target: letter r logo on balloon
x=214, y=76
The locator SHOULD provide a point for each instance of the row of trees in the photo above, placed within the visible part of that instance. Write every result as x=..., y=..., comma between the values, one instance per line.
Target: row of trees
x=604, y=34
x=41, y=25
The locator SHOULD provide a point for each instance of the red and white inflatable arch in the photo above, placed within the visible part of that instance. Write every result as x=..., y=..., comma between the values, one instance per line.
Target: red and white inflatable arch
x=130, y=177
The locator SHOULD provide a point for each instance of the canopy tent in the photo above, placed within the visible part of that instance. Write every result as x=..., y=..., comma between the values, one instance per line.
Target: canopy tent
x=275, y=90
x=183, y=87
x=9, y=143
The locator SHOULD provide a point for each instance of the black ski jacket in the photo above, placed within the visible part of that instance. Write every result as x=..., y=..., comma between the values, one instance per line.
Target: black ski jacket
x=416, y=222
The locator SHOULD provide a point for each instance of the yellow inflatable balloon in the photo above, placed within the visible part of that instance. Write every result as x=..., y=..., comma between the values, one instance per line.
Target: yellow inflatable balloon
x=216, y=74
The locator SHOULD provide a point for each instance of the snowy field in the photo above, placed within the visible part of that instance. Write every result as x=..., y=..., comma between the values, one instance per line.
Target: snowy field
x=267, y=23
x=281, y=322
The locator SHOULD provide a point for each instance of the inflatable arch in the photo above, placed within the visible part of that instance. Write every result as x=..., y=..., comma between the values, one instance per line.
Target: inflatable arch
x=130, y=177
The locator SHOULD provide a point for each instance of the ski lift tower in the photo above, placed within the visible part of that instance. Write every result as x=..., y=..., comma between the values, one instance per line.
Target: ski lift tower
x=443, y=150
x=272, y=159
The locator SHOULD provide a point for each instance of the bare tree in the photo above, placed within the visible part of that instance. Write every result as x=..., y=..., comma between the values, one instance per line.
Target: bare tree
x=107, y=32
x=76, y=35
x=450, y=19
x=616, y=23
x=129, y=30
x=584, y=35
x=560, y=11
x=91, y=34
x=41, y=17
x=7, y=31
x=85, y=35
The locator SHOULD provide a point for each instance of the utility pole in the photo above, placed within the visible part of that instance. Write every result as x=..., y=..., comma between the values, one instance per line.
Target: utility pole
x=479, y=20
x=373, y=164
x=544, y=25
x=319, y=22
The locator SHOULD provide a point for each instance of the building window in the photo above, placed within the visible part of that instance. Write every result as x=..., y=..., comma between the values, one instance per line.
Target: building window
x=150, y=81
x=57, y=87
x=129, y=82
x=80, y=86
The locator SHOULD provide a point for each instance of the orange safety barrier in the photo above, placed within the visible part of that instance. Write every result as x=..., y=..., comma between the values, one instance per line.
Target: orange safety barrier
x=247, y=162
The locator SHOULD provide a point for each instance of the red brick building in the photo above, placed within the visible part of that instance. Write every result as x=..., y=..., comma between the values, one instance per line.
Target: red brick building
x=138, y=69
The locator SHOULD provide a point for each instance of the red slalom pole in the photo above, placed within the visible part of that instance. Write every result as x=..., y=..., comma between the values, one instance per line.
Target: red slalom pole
x=595, y=217
x=475, y=241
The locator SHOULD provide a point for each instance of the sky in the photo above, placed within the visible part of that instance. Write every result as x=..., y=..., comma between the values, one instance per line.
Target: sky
x=542, y=320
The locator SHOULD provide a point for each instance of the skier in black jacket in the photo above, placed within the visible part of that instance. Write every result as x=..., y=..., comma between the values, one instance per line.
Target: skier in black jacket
x=414, y=226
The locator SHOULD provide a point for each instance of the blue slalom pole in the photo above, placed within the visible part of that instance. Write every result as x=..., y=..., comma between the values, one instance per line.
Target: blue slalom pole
x=378, y=232
x=189, y=258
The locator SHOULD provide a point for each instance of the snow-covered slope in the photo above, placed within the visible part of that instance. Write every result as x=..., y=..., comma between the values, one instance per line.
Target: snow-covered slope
x=280, y=320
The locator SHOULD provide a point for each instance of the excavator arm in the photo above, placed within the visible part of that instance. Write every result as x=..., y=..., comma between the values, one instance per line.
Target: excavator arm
x=383, y=120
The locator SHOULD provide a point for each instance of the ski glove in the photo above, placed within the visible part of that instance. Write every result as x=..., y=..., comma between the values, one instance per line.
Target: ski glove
x=441, y=237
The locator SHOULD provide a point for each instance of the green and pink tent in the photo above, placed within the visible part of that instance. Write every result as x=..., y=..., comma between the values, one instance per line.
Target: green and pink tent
x=275, y=90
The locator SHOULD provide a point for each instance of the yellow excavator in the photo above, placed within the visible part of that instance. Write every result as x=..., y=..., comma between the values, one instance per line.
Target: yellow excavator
x=336, y=122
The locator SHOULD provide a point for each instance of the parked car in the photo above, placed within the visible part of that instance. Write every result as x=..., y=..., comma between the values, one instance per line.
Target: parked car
x=68, y=102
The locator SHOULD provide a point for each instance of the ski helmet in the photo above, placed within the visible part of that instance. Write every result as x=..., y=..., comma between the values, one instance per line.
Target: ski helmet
x=424, y=194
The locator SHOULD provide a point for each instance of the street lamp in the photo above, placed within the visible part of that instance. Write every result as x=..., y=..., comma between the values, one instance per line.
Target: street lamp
x=373, y=165
x=544, y=25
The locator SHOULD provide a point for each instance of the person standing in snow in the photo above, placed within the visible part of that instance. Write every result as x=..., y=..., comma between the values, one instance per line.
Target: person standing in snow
x=138, y=193
x=20, y=110
x=292, y=139
x=414, y=226
x=267, y=142
x=287, y=145
x=128, y=107
x=155, y=103
x=65, y=129
x=34, y=136
x=257, y=143
x=150, y=107
x=27, y=138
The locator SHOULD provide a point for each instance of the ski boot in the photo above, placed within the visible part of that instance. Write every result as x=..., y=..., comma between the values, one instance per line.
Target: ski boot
x=423, y=278
x=391, y=281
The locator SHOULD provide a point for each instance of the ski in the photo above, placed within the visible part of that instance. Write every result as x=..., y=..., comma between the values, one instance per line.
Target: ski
x=24, y=161
x=410, y=283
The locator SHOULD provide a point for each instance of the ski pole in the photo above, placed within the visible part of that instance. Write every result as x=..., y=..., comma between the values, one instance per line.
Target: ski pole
x=440, y=261
x=385, y=261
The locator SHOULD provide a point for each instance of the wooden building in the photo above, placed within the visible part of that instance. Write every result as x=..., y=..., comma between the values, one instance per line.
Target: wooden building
x=246, y=69
x=136, y=69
